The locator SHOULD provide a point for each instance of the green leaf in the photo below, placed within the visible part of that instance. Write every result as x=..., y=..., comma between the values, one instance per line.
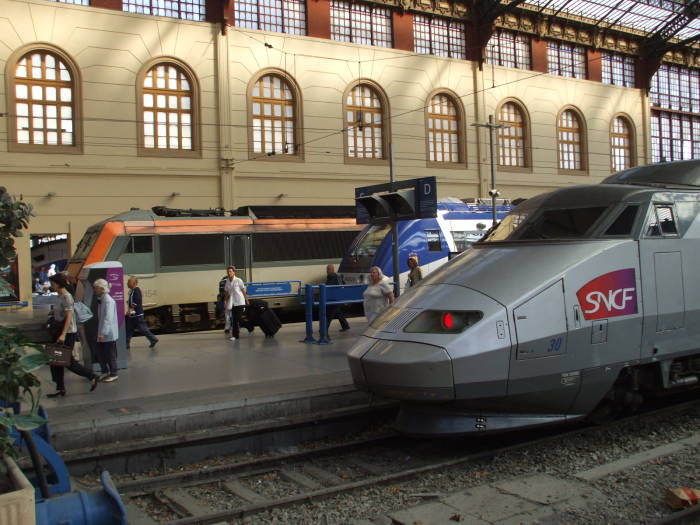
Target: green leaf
x=27, y=421
x=33, y=361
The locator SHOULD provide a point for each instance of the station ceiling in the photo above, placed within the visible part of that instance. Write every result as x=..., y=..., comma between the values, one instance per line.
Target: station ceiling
x=661, y=20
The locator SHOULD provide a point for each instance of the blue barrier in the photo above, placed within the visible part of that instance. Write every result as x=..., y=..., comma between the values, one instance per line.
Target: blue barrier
x=16, y=304
x=327, y=295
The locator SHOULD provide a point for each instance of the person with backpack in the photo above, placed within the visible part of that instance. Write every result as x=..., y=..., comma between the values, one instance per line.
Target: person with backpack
x=63, y=329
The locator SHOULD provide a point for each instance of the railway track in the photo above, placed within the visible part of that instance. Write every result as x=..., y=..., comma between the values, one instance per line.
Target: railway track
x=234, y=491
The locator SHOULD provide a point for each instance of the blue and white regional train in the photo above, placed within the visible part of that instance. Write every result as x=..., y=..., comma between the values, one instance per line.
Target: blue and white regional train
x=431, y=241
x=581, y=302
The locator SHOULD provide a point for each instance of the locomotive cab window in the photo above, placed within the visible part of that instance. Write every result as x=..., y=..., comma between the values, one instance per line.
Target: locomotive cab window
x=662, y=222
x=140, y=244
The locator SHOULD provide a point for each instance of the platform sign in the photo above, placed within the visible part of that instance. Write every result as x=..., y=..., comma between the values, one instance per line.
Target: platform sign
x=270, y=288
x=397, y=201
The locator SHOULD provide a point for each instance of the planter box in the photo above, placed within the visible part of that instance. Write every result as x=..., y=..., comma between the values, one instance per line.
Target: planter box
x=17, y=507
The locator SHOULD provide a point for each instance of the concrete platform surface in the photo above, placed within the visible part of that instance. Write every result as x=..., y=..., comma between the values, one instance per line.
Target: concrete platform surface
x=198, y=378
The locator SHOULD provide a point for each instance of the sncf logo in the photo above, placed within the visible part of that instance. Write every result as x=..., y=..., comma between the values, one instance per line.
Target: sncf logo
x=609, y=295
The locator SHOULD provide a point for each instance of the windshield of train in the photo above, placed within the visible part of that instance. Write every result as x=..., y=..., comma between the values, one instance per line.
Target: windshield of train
x=86, y=244
x=528, y=223
x=369, y=244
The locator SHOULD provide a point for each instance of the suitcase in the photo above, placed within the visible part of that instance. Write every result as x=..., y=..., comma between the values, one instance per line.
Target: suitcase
x=269, y=322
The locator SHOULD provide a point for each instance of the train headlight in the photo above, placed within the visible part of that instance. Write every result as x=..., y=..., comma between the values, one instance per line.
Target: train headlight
x=443, y=322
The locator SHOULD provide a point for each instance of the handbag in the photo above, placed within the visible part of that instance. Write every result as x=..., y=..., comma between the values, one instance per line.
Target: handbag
x=82, y=312
x=59, y=355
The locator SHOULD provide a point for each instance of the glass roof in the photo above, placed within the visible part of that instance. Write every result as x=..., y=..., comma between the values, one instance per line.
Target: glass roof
x=647, y=16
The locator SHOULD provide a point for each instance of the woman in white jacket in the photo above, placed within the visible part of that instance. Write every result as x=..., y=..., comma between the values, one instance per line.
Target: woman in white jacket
x=107, y=331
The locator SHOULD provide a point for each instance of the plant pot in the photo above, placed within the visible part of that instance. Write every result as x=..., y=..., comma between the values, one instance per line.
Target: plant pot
x=17, y=504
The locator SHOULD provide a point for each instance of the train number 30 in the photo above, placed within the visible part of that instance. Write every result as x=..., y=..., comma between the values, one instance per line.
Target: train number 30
x=554, y=345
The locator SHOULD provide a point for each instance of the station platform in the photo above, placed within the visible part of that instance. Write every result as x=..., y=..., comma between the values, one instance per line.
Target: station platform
x=195, y=383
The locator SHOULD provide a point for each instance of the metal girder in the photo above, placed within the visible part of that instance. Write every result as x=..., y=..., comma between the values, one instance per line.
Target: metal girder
x=657, y=44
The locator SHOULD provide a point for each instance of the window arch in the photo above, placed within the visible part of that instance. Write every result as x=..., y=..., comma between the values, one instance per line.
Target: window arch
x=444, y=125
x=169, y=106
x=365, y=110
x=621, y=144
x=571, y=145
x=44, y=94
x=513, y=140
x=274, y=112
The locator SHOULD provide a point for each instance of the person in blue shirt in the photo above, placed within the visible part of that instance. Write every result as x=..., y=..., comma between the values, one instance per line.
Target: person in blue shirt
x=134, y=314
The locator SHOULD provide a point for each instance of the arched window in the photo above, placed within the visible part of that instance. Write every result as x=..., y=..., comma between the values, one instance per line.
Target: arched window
x=570, y=144
x=512, y=146
x=273, y=111
x=444, y=130
x=169, y=105
x=364, y=122
x=44, y=98
x=621, y=144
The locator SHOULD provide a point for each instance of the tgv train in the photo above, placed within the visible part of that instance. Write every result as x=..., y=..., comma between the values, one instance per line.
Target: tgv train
x=580, y=302
x=431, y=241
x=179, y=256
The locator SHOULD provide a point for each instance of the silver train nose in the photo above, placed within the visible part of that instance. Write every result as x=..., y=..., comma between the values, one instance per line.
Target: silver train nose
x=402, y=369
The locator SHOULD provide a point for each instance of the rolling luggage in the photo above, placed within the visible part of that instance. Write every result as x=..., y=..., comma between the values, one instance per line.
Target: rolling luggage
x=269, y=322
x=260, y=314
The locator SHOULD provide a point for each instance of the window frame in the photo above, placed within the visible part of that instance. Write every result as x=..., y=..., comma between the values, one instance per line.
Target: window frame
x=76, y=94
x=150, y=8
x=494, y=53
x=298, y=156
x=583, y=143
x=430, y=19
x=461, y=130
x=626, y=69
x=386, y=124
x=283, y=20
x=353, y=37
x=526, y=137
x=632, y=147
x=570, y=50
x=195, y=111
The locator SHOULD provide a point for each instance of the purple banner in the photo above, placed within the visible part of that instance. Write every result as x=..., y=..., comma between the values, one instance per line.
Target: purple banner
x=115, y=278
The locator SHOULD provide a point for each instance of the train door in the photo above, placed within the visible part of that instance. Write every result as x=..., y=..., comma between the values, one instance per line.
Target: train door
x=238, y=255
x=663, y=293
x=541, y=357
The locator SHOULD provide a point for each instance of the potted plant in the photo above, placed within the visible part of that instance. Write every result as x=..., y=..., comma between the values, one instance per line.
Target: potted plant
x=19, y=387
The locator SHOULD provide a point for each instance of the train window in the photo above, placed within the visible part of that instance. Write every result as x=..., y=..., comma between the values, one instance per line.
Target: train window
x=562, y=224
x=192, y=250
x=140, y=244
x=624, y=223
x=662, y=222
x=372, y=240
x=433, y=238
x=460, y=239
x=86, y=243
x=298, y=246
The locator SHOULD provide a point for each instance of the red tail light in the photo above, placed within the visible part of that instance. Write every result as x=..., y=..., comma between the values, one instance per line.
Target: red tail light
x=448, y=321
x=443, y=322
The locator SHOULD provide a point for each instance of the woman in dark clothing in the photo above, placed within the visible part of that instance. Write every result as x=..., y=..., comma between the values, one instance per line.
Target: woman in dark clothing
x=64, y=332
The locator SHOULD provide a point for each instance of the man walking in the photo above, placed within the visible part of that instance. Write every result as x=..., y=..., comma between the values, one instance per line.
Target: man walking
x=235, y=299
x=335, y=311
x=134, y=314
